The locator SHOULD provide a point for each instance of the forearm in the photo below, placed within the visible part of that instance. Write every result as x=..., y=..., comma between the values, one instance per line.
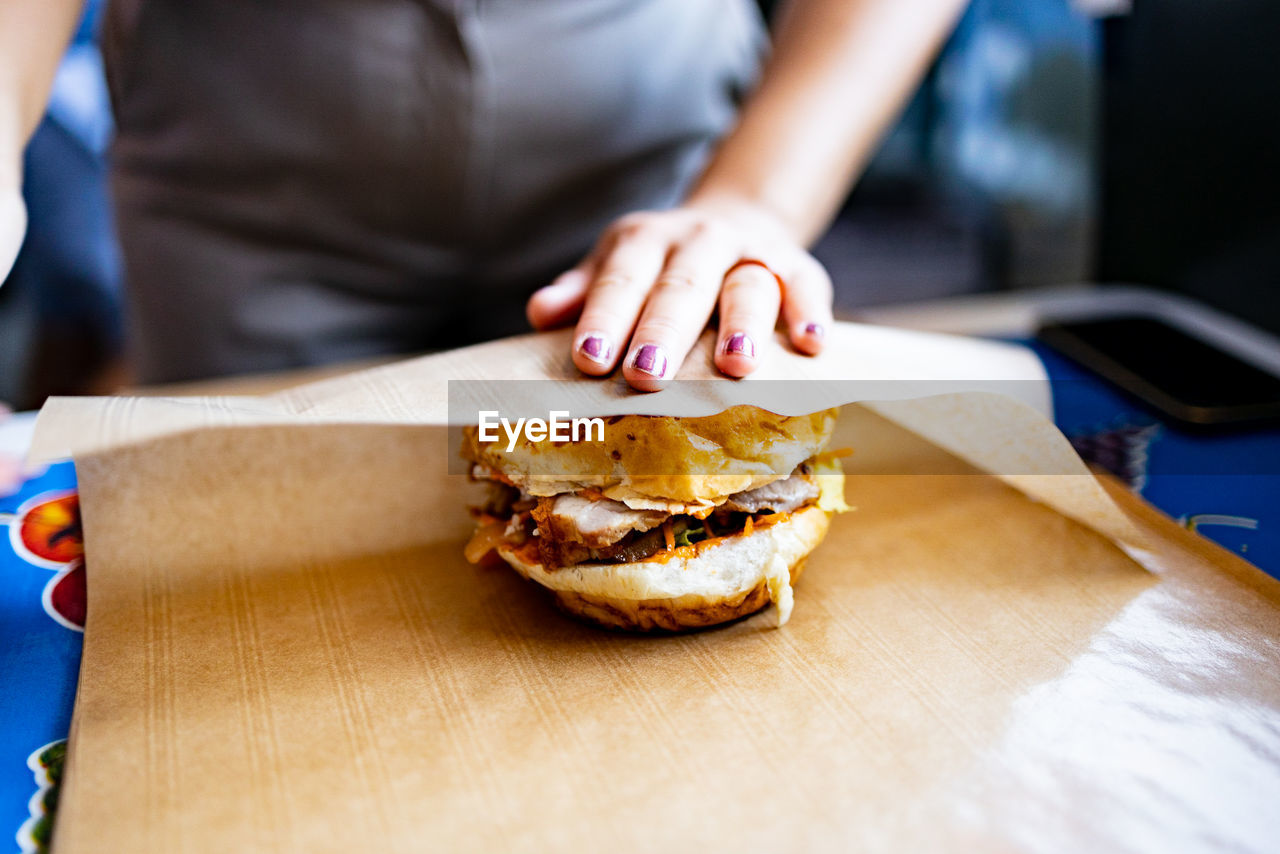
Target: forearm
x=33, y=37
x=839, y=74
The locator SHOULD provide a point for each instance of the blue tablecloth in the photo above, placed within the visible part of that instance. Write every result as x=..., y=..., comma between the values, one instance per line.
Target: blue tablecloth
x=41, y=615
x=1225, y=487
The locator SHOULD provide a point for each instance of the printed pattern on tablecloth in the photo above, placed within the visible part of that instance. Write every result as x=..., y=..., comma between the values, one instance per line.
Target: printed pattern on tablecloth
x=42, y=615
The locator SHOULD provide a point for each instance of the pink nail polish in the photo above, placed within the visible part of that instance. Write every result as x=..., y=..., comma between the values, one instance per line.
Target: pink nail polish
x=595, y=348
x=650, y=360
x=815, y=329
x=740, y=344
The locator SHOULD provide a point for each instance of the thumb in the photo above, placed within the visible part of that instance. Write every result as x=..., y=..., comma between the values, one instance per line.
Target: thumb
x=13, y=226
x=560, y=302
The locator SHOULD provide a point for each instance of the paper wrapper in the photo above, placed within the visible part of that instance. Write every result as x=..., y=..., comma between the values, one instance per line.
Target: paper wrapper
x=285, y=650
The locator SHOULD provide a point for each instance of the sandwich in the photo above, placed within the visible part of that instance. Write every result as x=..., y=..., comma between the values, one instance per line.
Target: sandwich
x=662, y=523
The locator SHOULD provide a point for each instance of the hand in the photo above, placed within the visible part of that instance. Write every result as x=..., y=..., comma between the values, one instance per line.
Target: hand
x=649, y=286
x=13, y=226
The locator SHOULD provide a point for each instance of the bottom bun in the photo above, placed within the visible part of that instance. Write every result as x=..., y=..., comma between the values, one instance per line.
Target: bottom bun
x=722, y=581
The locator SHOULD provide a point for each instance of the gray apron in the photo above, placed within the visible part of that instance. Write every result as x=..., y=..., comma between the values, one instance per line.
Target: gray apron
x=307, y=181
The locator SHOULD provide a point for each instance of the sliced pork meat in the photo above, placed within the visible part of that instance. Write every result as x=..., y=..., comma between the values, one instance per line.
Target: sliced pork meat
x=572, y=529
x=503, y=500
x=632, y=547
x=594, y=524
x=780, y=496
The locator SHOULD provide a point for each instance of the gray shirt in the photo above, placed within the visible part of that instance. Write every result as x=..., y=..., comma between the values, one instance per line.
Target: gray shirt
x=304, y=181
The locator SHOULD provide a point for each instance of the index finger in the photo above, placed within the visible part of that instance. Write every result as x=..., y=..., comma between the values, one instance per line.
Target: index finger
x=614, y=298
x=676, y=312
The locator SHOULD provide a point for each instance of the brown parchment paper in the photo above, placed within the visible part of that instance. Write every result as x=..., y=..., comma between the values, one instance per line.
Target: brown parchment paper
x=285, y=651
x=985, y=402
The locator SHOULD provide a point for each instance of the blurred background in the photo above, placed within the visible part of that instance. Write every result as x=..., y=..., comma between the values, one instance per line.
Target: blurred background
x=1024, y=160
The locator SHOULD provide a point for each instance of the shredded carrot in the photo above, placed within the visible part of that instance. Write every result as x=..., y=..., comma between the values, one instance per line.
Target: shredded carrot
x=749, y=526
x=668, y=535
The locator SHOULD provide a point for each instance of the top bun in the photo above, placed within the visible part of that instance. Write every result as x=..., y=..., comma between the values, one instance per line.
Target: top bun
x=663, y=462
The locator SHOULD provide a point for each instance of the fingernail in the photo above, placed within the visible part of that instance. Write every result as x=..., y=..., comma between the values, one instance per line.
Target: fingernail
x=815, y=329
x=650, y=360
x=739, y=344
x=595, y=348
